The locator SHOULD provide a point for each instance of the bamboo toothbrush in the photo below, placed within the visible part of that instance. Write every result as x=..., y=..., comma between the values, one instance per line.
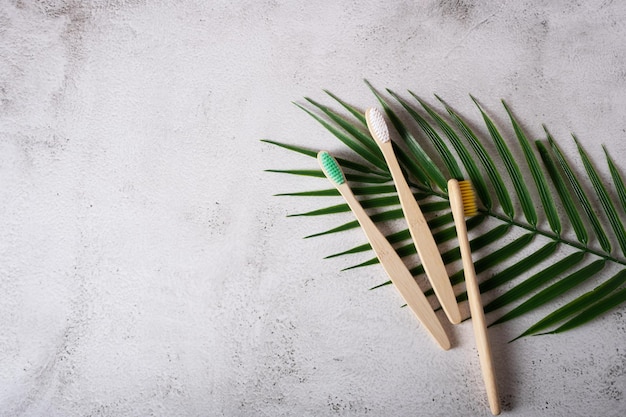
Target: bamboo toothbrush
x=389, y=259
x=422, y=237
x=463, y=203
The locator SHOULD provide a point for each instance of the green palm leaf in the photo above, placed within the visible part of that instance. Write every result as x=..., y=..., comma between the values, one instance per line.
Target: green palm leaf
x=553, y=291
x=371, y=203
x=535, y=281
x=578, y=304
x=492, y=259
x=538, y=175
x=486, y=161
x=344, y=162
x=332, y=192
x=594, y=311
x=496, y=257
x=513, y=169
x=564, y=194
x=617, y=179
x=342, y=208
x=470, y=166
x=449, y=256
x=514, y=270
x=353, y=110
x=440, y=237
x=364, y=139
x=457, y=147
x=356, y=146
x=582, y=197
x=376, y=218
x=440, y=146
x=365, y=179
x=400, y=236
x=603, y=195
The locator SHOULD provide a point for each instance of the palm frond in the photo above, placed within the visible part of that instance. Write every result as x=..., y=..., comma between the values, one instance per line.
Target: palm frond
x=538, y=175
x=603, y=196
x=617, y=179
x=564, y=194
x=470, y=166
x=515, y=270
x=484, y=158
x=364, y=179
x=553, y=291
x=535, y=281
x=440, y=146
x=349, y=141
x=582, y=197
x=601, y=307
x=578, y=304
x=332, y=192
x=463, y=152
x=512, y=168
x=354, y=131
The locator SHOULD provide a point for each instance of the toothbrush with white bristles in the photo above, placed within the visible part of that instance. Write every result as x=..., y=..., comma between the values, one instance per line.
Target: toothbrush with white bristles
x=396, y=269
x=420, y=232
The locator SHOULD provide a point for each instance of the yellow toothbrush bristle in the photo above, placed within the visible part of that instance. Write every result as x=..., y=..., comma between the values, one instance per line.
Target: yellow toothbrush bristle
x=469, y=198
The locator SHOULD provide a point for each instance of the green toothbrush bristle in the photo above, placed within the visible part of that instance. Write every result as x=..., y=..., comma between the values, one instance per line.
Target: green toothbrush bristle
x=331, y=168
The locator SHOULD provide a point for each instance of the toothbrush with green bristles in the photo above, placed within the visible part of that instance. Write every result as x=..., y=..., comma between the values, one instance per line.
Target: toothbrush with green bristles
x=392, y=263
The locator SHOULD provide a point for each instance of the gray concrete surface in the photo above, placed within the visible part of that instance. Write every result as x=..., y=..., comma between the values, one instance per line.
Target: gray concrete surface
x=146, y=269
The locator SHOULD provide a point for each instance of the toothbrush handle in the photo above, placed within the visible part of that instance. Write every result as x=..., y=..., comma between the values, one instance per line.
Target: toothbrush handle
x=397, y=271
x=422, y=237
x=473, y=295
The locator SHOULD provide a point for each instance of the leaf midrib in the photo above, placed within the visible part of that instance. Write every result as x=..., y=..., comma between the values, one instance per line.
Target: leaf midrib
x=555, y=237
x=551, y=235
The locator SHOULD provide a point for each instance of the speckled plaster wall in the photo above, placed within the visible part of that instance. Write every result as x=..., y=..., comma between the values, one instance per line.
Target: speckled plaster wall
x=146, y=269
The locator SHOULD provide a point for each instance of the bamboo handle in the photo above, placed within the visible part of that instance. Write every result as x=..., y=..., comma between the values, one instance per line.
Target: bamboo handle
x=397, y=271
x=422, y=237
x=473, y=295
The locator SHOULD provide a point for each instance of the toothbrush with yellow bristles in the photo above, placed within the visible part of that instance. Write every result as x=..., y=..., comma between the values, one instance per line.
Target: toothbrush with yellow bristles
x=420, y=232
x=463, y=203
x=396, y=269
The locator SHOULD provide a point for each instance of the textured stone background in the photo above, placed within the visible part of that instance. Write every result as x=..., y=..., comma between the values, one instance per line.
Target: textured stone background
x=146, y=269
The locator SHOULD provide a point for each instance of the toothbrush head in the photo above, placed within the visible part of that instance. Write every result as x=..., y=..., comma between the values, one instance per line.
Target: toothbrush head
x=376, y=124
x=331, y=168
x=469, y=198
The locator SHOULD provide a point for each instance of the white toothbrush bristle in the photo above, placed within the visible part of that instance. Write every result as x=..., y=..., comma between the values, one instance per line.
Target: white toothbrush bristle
x=377, y=125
